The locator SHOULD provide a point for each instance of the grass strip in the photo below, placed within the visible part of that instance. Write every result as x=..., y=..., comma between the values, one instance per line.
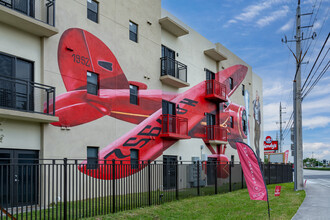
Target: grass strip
x=317, y=168
x=234, y=205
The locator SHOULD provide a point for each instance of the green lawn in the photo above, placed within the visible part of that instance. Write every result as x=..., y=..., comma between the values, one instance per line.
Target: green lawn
x=234, y=205
x=317, y=168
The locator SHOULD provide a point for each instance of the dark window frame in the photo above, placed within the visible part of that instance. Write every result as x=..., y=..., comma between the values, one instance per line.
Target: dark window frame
x=92, y=161
x=91, y=11
x=133, y=98
x=132, y=33
x=231, y=121
x=231, y=83
x=14, y=74
x=243, y=90
x=135, y=161
x=168, y=104
x=91, y=83
x=209, y=74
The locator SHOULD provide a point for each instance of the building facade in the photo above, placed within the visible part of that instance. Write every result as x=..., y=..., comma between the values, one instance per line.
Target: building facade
x=132, y=83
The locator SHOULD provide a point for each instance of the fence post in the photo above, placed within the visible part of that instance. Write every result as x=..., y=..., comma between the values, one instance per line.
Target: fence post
x=177, y=180
x=113, y=186
x=276, y=172
x=198, y=192
x=242, y=176
x=269, y=172
x=149, y=182
x=230, y=164
x=65, y=188
x=216, y=178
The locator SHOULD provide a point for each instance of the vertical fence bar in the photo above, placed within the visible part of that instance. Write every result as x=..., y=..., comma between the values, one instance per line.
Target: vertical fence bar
x=176, y=179
x=242, y=176
x=149, y=184
x=113, y=186
x=65, y=188
x=230, y=164
x=198, y=190
x=216, y=177
x=269, y=172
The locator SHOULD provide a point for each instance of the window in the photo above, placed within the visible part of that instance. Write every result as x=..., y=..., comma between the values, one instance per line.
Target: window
x=92, y=83
x=92, y=157
x=231, y=122
x=168, y=61
x=168, y=108
x=209, y=75
x=231, y=83
x=13, y=92
x=210, y=119
x=133, y=32
x=244, y=122
x=133, y=91
x=92, y=10
x=134, y=159
x=243, y=89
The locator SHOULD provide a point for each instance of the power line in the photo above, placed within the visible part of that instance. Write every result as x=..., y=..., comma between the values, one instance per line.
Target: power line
x=325, y=42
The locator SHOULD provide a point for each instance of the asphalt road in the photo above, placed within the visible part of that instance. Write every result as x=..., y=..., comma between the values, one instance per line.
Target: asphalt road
x=317, y=202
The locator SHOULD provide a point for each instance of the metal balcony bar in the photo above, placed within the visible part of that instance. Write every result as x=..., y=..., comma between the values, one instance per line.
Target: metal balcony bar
x=173, y=125
x=215, y=88
x=41, y=10
x=23, y=95
x=173, y=68
x=216, y=132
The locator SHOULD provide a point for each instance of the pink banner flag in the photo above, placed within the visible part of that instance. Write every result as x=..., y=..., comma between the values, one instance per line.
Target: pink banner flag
x=252, y=173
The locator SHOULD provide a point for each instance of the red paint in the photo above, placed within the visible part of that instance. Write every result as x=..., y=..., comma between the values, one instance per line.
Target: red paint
x=76, y=107
x=278, y=190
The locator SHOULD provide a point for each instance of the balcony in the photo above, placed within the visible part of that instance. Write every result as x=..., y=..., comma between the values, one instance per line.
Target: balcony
x=21, y=100
x=174, y=127
x=173, y=73
x=215, y=91
x=215, y=134
x=34, y=16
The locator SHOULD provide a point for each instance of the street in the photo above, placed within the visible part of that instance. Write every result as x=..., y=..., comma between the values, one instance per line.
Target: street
x=317, y=202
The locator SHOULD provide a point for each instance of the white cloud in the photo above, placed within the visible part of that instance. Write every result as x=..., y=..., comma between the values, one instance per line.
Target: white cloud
x=273, y=17
x=286, y=26
x=252, y=11
x=316, y=122
x=317, y=150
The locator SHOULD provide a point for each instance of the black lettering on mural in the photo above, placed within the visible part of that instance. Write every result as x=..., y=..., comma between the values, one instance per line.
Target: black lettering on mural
x=105, y=65
x=189, y=102
x=159, y=121
x=117, y=153
x=181, y=111
x=81, y=60
x=129, y=142
x=150, y=133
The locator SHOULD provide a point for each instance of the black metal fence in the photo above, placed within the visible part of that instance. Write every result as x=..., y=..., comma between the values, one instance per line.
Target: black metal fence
x=67, y=189
x=25, y=95
x=42, y=10
x=173, y=68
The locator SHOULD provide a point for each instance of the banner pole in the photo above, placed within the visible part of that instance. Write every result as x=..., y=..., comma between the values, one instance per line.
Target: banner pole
x=268, y=208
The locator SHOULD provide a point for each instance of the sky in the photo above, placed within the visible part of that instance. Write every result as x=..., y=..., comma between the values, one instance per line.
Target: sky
x=253, y=31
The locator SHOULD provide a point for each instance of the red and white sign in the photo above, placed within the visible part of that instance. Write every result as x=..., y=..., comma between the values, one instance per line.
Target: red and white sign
x=269, y=144
x=278, y=190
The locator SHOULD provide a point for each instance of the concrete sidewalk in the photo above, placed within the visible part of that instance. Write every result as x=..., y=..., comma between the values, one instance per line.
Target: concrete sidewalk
x=317, y=202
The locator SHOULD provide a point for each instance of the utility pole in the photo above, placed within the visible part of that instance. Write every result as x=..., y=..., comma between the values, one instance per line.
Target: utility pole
x=297, y=116
x=298, y=163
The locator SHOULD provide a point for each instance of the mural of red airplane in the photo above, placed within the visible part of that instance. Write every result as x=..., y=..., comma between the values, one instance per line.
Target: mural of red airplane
x=80, y=52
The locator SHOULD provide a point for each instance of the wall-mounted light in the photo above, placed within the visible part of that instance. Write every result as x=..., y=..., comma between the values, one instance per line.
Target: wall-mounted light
x=148, y=22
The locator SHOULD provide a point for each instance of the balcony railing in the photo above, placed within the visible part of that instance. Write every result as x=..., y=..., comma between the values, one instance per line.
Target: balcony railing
x=173, y=68
x=174, y=127
x=22, y=95
x=215, y=90
x=216, y=133
x=41, y=10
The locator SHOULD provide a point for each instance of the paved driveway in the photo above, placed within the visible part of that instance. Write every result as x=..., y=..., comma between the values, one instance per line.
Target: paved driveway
x=317, y=202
